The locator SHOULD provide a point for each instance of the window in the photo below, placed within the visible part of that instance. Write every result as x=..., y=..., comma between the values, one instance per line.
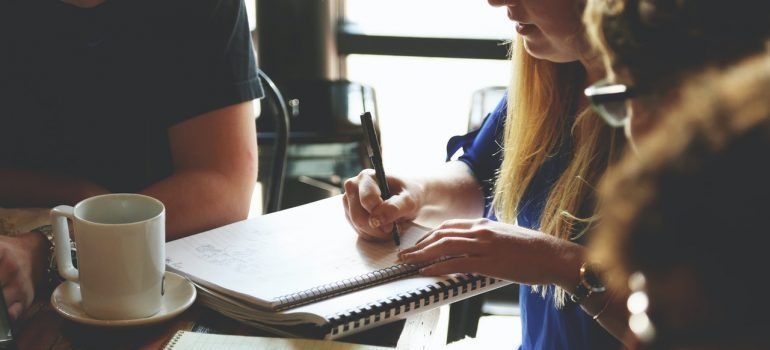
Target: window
x=424, y=58
x=422, y=102
x=429, y=18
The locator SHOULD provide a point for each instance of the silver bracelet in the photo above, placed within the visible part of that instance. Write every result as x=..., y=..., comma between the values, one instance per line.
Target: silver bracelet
x=604, y=308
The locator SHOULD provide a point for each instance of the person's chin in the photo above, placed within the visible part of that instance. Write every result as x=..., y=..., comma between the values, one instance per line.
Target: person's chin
x=543, y=50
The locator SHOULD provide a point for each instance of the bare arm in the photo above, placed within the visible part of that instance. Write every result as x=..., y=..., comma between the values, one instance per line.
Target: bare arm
x=215, y=164
x=516, y=254
x=24, y=188
x=609, y=306
x=215, y=167
x=215, y=170
x=451, y=193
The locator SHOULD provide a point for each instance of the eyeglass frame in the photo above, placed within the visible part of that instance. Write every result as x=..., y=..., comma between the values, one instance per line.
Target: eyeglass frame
x=603, y=92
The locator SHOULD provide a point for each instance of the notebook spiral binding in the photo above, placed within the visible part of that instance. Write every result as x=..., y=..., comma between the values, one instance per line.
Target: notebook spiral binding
x=172, y=343
x=347, y=285
x=403, y=303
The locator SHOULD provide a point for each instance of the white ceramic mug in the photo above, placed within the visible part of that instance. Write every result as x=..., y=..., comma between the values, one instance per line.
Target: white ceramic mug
x=120, y=250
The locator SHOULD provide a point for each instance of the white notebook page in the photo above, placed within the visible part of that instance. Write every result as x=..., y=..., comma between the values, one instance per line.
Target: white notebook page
x=286, y=252
x=200, y=341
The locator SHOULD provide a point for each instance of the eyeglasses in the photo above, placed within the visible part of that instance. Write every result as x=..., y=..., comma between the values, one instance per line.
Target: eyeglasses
x=611, y=101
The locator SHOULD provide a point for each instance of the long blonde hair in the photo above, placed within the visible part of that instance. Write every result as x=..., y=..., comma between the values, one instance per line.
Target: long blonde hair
x=542, y=96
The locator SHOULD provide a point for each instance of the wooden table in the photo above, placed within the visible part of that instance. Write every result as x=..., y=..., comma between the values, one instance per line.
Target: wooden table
x=42, y=328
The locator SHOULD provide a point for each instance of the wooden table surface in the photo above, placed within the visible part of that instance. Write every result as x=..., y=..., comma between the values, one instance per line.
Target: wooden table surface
x=42, y=328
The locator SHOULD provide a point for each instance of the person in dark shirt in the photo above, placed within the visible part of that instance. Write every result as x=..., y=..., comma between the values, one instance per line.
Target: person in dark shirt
x=97, y=96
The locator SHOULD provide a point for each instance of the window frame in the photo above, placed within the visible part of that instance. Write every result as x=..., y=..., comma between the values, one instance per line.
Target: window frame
x=351, y=41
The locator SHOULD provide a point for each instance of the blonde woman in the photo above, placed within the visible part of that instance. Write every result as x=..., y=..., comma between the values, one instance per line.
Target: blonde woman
x=554, y=151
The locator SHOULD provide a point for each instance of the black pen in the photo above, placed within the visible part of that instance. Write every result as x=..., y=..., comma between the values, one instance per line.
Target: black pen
x=373, y=149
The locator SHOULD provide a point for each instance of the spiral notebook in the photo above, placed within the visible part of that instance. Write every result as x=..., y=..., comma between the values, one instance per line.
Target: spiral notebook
x=184, y=340
x=304, y=271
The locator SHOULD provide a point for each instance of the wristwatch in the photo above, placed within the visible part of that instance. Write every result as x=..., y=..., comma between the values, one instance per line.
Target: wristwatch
x=52, y=278
x=590, y=283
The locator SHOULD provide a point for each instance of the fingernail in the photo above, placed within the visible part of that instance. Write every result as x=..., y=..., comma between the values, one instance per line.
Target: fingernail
x=374, y=222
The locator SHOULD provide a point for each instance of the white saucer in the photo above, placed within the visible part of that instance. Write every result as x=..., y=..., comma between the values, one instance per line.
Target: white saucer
x=179, y=295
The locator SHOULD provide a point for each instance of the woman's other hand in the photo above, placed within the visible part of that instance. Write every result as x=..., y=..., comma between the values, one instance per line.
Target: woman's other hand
x=499, y=250
x=371, y=216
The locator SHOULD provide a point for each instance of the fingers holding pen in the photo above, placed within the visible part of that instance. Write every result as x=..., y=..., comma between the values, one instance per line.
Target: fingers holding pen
x=370, y=198
x=357, y=214
x=368, y=190
x=363, y=235
x=401, y=207
x=370, y=214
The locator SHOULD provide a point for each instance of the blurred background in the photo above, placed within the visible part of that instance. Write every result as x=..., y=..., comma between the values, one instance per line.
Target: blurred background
x=426, y=69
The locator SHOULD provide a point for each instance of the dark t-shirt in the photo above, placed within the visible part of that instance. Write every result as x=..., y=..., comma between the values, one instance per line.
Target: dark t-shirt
x=92, y=92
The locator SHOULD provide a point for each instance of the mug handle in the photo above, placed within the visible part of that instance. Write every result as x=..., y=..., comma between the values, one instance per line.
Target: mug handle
x=61, y=236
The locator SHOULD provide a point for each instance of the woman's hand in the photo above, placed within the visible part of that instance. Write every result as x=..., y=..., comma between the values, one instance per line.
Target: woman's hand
x=498, y=250
x=21, y=265
x=373, y=218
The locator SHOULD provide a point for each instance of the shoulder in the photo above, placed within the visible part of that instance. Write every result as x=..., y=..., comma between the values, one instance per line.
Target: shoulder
x=501, y=110
x=496, y=119
x=494, y=124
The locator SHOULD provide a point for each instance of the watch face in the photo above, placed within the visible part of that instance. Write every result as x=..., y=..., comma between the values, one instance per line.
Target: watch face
x=593, y=280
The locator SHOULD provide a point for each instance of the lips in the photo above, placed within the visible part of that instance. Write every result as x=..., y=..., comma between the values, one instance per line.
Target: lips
x=524, y=28
x=521, y=26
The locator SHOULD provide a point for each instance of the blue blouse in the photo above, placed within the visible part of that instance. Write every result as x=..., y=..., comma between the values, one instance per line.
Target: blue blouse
x=543, y=325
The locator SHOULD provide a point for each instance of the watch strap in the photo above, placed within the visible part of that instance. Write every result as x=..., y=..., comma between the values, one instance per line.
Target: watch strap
x=52, y=278
x=580, y=294
x=589, y=283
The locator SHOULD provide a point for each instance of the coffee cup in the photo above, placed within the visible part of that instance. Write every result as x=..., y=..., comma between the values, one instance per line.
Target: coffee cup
x=120, y=253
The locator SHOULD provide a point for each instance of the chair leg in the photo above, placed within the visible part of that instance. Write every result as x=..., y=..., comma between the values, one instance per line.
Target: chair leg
x=464, y=318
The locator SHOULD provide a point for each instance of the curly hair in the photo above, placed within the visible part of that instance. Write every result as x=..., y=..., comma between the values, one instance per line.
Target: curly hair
x=657, y=43
x=698, y=193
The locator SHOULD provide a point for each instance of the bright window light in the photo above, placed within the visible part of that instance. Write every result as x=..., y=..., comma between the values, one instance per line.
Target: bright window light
x=422, y=102
x=430, y=18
